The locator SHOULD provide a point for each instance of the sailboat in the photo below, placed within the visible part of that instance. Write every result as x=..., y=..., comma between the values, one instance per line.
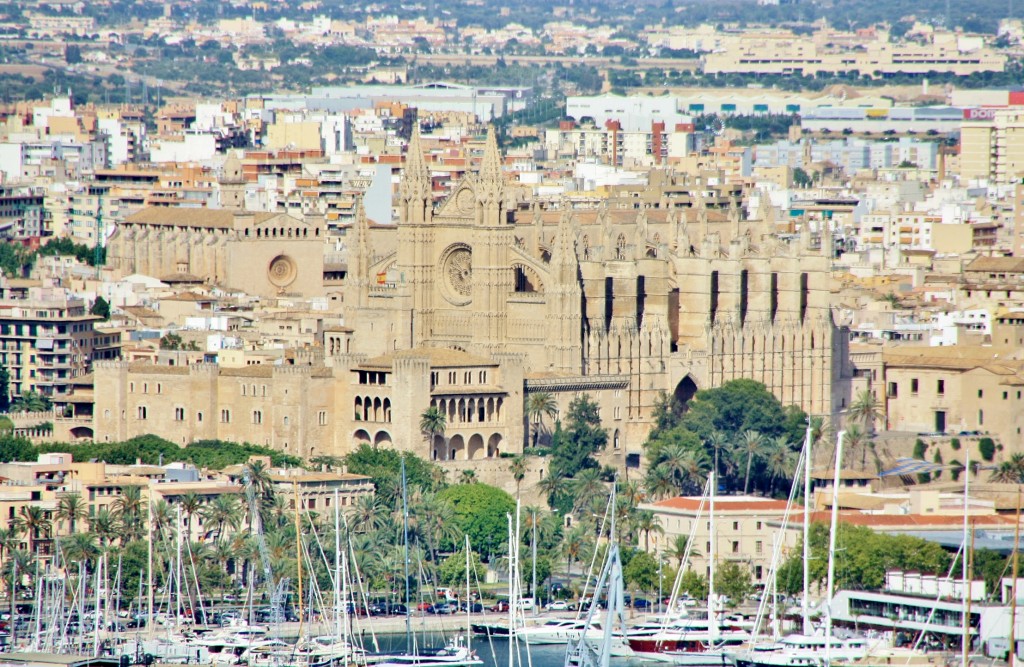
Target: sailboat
x=456, y=653
x=691, y=642
x=808, y=647
x=585, y=650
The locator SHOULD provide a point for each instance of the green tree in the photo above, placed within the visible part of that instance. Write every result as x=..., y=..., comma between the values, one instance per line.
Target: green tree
x=384, y=467
x=539, y=405
x=480, y=512
x=752, y=445
x=71, y=508
x=5, y=389
x=101, y=307
x=693, y=584
x=641, y=572
x=432, y=424
x=31, y=401
x=867, y=409
x=452, y=571
x=517, y=467
x=572, y=450
x=734, y=581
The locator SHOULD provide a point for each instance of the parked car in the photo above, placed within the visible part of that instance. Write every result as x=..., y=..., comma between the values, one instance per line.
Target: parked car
x=425, y=607
x=397, y=609
x=500, y=605
x=641, y=603
x=474, y=607
x=557, y=605
x=443, y=608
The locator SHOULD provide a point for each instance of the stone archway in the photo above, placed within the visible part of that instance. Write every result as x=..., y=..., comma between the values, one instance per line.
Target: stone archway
x=456, y=446
x=476, y=446
x=382, y=438
x=438, y=448
x=684, y=392
x=494, y=446
x=361, y=437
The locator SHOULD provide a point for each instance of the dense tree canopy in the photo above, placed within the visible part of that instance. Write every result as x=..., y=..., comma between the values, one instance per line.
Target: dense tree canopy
x=481, y=512
x=862, y=558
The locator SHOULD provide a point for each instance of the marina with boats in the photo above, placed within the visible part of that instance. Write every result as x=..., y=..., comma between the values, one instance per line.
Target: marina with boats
x=337, y=622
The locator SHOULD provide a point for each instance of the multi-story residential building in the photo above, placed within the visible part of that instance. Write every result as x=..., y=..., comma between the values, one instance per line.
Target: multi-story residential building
x=22, y=212
x=47, y=339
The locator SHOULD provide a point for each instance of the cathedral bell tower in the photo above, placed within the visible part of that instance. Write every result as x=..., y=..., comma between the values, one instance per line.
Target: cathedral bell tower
x=416, y=240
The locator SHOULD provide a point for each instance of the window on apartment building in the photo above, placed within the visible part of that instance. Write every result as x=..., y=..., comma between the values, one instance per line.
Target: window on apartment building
x=735, y=525
x=225, y=416
x=758, y=572
x=758, y=547
x=1006, y=395
x=243, y=390
x=145, y=387
x=981, y=393
x=913, y=386
x=981, y=417
x=143, y=412
x=322, y=416
x=707, y=548
x=735, y=546
x=893, y=390
x=257, y=416
x=159, y=388
x=940, y=387
x=179, y=414
x=759, y=524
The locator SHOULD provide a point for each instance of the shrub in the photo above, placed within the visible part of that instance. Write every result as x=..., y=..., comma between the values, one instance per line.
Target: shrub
x=955, y=444
x=987, y=448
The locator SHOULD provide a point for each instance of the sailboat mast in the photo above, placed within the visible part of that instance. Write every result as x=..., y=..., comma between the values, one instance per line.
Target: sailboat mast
x=469, y=630
x=712, y=537
x=337, y=566
x=298, y=548
x=965, y=640
x=405, y=559
x=806, y=607
x=834, y=529
x=1012, y=658
x=149, y=557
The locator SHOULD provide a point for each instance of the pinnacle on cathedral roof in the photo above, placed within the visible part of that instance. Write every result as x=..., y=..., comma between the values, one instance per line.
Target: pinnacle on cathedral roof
x=490, y=166
x=416, y=179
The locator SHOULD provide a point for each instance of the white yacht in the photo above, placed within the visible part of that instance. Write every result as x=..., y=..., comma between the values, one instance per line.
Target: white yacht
x=454, y=654
x=798, y=650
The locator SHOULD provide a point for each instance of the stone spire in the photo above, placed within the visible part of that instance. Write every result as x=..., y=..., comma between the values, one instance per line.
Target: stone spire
x=827, y=248
x=416, y=177
x=360, y=255
x=640, y=249
x=702, y=215
x=490, y=185
x=734, y=217
x=682, y=229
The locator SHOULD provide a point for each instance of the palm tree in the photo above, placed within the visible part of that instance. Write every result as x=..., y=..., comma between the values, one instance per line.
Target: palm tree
x=574, y=544
x=866, y=408
x=35, y=523
x=854, y=440
x=660, y=481
x=779, y=462
x=518, y=469
x=751, y=443
x=162, y=518
x=718, y=441
x=367, y=514
x=467, y=477
x=432, y=424
x=539, y=405
x=128, y=508
x=678, y=549
x=256, y=477
x=646, y=522
x=104, y=526
x=190, y=504
x=80, y=547
x=8, y=540
x=30, y=401
x=631, y=492
x=1010, y=471
x=71, y=508
x=222, y=512
x=586, y=486
x=553, y=486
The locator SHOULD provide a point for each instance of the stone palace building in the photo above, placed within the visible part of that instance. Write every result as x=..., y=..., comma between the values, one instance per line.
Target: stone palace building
x=474, y=302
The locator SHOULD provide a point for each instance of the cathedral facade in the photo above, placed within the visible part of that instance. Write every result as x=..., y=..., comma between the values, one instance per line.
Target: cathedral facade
x=472, y=304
